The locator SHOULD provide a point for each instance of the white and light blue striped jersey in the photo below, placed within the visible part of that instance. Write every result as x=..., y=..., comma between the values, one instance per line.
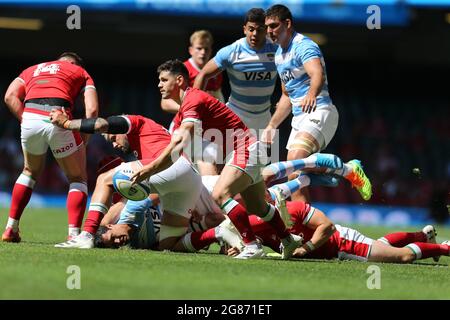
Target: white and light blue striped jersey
x=146, y=218
x=292, y=73
x=252, y=75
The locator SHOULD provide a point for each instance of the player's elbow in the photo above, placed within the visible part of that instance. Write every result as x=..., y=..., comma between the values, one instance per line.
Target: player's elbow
x=9, y=98
x=329, y=228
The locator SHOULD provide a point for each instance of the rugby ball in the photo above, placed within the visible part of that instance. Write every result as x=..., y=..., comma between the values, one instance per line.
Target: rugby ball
x=122, y=184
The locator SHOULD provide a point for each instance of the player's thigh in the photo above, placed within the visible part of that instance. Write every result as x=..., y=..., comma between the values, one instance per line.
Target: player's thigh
x=381, y=252
x=301, y=145
x=232, y=181
x=173, y=227
x=74, y=165
x=206, y=168
x=33, y=164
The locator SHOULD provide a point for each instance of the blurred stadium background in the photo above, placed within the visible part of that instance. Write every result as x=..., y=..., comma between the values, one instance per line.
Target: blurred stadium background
x=391, y=86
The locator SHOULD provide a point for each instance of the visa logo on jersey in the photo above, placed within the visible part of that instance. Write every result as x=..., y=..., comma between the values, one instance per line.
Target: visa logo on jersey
x=286, y=76
x=51, y=68
x=261, y=75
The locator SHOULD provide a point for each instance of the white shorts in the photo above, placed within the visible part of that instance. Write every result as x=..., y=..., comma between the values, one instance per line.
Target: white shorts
x=321, y=124
x=257, y=122
x=179, y=186
x=38, y=133
x=353, y=245
x=252, y=162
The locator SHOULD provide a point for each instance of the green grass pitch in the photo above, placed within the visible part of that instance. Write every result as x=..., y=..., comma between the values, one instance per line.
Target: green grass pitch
x=34, y=269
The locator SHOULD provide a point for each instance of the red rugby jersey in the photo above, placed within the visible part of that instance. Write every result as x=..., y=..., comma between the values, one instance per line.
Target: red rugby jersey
x=147, y=138
x=55, y=79
x=213, y=84
x=199, y=106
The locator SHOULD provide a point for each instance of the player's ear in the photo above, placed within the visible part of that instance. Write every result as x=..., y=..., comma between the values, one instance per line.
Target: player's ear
x=288, y=23
x=191, y=50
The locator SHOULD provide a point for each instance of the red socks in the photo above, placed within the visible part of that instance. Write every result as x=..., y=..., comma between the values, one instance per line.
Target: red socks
x=76, y=204
x=427, y=250
x=21, y=194
x=238, y=215
x=401, y=239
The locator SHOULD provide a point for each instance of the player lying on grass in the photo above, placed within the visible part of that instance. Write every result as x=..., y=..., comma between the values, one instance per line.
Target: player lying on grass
x=325, y=240
x=146, y=140
x=138, y=223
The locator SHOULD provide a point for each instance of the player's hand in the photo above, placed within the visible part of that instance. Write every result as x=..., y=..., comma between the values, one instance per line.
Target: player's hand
x=300, y=252
x=232, y=252
x=268, y=134
x=58, y=117
x=141, y=175
x=309, y=103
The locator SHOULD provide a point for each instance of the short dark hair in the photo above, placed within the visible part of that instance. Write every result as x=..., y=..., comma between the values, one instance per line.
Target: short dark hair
x=280, y=11
x=175, y=67
x=255, y=15
x=74, y=56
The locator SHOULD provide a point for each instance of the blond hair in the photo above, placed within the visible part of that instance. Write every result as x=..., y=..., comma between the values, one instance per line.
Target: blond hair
x=202, y=35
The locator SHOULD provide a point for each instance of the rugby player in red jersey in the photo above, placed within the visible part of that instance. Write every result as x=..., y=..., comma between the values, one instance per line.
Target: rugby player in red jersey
x=203, y=116
x=30, y=97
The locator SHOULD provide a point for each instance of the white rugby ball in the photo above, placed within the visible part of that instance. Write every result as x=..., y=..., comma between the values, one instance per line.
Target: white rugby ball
x=122, y=184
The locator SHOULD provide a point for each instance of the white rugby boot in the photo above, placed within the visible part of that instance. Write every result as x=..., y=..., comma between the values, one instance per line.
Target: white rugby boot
x=84, y=240
x=227, y=232
x=289, y=244
x=252, y=250
x=431, y=234
x=280, y=204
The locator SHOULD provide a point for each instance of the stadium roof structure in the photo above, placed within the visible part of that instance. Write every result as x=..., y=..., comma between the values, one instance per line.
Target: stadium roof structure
x=393, y=12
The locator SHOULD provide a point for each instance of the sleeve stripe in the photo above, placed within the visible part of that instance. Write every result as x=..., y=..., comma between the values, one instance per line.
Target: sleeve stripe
x=309, y=216
x=191, y=120
x=129, y=123
x=19, y=78
x=89, y=87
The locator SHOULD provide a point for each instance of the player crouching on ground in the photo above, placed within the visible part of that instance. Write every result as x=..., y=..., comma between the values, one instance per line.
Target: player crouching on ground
x=138, y=223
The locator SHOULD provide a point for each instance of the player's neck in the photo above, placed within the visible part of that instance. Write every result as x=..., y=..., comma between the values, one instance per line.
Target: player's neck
x=287, y=41
x=182, y=95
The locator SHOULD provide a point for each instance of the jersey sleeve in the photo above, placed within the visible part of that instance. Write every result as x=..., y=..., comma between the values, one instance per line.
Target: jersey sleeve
x=300, y=211
x=25, y=75
x=88, y=81
x=222, y=57
x=191, y=110
x=308, y=50
x=135, y=123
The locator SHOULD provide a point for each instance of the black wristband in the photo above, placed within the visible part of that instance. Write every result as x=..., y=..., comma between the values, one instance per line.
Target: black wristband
x=117, y=124
x=88, y=125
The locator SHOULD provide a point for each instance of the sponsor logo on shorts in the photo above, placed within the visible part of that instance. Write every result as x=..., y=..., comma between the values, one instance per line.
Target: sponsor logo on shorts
x=315, y=121
x=63, y=149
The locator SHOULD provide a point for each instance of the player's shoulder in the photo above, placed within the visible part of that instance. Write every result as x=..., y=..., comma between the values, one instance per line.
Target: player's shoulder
x=298, y=207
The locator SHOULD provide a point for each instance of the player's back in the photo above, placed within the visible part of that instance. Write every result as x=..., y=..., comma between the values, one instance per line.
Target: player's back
x=55, y=79
x=147, y=138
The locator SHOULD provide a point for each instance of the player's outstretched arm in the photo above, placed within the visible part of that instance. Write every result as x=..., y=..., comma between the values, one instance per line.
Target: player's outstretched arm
x=180, y=139
x=284, y=108
x=114, y=124
x=323, y=230
x=209, y=70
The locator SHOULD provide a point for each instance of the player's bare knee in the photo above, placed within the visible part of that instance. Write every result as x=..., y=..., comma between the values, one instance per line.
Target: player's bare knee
x=407, y=257
x=104, y=178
